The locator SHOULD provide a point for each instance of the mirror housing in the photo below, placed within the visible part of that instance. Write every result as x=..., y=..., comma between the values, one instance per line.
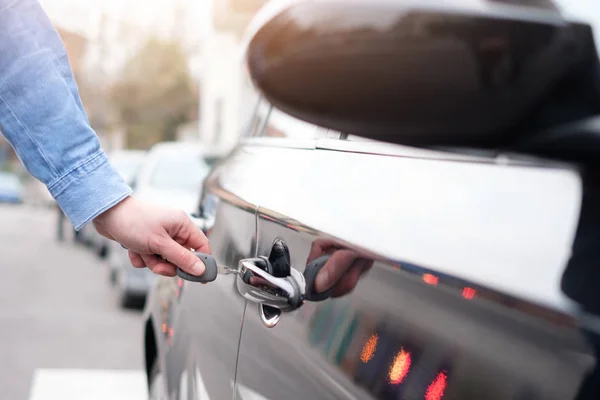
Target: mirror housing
x=478, y=74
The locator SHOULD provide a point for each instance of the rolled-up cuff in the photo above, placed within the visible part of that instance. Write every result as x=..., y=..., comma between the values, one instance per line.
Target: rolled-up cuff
x=89, y=190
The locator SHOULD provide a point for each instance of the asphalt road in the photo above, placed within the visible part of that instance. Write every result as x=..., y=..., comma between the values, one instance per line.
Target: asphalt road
x=57, y=311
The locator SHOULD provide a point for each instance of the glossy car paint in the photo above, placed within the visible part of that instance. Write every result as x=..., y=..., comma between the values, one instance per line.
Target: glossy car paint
x=463, y=297
x=464, y=288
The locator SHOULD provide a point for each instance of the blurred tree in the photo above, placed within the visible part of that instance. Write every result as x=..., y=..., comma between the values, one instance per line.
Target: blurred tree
x=155, y=93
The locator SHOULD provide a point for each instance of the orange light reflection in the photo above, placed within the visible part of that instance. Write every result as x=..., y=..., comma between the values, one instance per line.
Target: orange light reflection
x=436, y=389
x=368, y=350
x=430, y=279
x=400, y=367
x=469, y=293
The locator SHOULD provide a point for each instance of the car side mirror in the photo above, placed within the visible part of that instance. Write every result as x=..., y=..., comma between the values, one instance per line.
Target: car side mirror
x=483, y=75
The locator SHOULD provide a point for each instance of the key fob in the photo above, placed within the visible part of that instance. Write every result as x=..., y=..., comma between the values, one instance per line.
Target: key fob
x=310, y=275
x=209, y=275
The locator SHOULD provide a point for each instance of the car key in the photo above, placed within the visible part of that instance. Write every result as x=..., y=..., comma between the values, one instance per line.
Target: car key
x=210, y=273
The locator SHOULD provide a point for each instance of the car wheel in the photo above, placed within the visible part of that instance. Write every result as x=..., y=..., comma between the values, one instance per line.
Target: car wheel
x=112, y=277
x=103, y=252
x=126, y=299
x=156, y=388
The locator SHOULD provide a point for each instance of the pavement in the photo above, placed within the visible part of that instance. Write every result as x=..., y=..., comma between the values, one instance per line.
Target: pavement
x=63, y=333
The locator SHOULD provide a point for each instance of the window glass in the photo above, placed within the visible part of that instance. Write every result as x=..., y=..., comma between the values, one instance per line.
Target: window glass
x=261, y=115
x=127, y=165
x=249, y=102
x=180, y=172
x=282, y=125
x=218, y=118
x=355, y=138
x=9, y=181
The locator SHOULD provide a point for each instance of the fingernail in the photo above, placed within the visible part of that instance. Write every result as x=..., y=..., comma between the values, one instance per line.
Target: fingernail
x=198, y=268
x=322, y=281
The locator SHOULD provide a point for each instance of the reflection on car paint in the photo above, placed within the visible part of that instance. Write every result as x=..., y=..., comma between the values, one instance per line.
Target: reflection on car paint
x=435, y=391
x=369, y=348
x=375, y=357
x=393, y=364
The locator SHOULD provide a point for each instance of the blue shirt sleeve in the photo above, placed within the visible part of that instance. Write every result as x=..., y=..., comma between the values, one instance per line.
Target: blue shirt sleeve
x=43, y=119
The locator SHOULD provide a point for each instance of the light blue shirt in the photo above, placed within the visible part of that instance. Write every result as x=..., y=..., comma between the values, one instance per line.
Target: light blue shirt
x=42, y=116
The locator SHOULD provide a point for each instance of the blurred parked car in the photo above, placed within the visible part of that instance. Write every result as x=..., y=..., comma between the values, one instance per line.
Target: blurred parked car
x=171, y=175
x=38, y=195
x=462, y=267
x=127, y=163
x=11, y=189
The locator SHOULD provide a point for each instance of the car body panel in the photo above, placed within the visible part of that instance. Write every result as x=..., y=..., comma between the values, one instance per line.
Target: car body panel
x=503, y=231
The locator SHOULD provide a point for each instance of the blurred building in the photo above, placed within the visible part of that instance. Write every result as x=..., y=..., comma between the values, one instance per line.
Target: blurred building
x=76, y=46
x=221, y=87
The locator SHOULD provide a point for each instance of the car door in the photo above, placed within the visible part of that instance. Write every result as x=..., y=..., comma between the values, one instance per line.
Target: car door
x=201, y=323
x=450, y=273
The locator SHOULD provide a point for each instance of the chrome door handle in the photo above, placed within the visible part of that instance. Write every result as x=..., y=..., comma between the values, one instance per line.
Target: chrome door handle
x=255, y=283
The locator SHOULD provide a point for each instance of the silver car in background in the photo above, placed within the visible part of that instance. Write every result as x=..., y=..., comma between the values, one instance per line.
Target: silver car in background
x=171, y=175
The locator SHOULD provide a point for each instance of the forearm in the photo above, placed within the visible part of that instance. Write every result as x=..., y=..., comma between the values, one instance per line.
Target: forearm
x=42, y=117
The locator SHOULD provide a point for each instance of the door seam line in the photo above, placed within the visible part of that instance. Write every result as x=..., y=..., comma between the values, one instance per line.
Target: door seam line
x=239, y=344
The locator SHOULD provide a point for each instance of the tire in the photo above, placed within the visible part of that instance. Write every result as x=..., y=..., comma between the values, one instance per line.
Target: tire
x=126, y=299
x=112, y=277
x=102, y=252
x=156, y=383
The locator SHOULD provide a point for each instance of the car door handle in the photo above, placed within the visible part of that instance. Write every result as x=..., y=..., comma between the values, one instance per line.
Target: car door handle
x=255, y=283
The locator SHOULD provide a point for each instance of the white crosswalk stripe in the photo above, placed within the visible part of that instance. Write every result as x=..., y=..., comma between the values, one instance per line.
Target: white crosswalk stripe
x=84, y=384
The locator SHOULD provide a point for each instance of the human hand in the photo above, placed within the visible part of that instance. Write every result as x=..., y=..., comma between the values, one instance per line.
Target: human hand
x=342, y=271
x=152, y=232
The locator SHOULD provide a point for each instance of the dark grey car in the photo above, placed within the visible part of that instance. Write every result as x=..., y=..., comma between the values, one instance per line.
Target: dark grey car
x=459, y=274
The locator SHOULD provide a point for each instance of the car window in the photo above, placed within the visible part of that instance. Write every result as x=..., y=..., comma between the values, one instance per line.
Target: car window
x=587, y=11
x=9, y=181
x=283, y=125
x=127, y=167
x=179, y=172
x=211, y=160
x=249, y=104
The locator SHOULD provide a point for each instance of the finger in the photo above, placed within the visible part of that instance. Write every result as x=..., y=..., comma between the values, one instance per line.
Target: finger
x=192, y=237
x=159, y=266
x=136, y=260
x=334, y=269
x=347, y=283
x=320, y=247
x=180, y=256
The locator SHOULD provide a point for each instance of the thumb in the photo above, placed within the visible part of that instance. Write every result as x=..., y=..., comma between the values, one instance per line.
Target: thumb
x=334, y=269
x=181, y=257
